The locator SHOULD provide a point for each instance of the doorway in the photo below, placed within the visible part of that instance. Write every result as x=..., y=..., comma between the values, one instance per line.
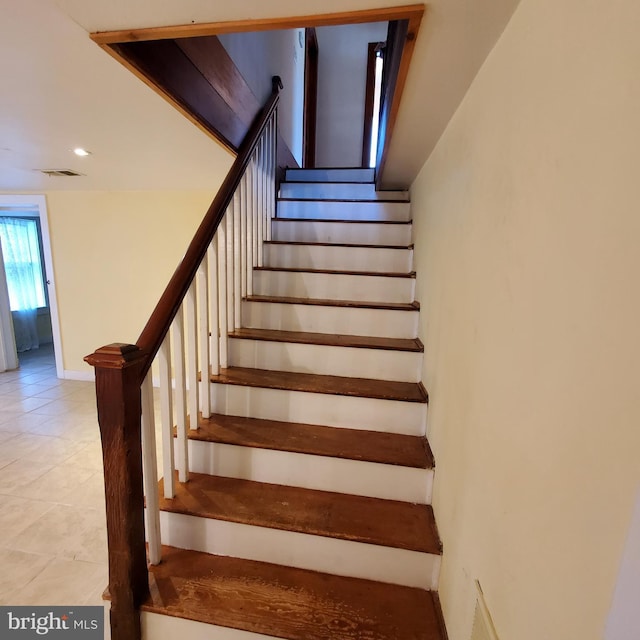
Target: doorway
x=31, y=220
x=373, y=96
x=310, y=107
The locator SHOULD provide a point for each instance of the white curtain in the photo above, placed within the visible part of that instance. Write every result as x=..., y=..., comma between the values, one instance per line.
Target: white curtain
x=23, y=266
x=8, y=355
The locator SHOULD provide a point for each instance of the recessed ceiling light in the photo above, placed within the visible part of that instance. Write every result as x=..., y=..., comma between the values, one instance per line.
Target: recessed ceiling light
x=79, y=151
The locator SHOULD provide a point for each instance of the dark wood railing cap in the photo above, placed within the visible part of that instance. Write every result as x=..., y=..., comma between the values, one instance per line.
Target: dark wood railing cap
x=117, y=355
x=168, y=306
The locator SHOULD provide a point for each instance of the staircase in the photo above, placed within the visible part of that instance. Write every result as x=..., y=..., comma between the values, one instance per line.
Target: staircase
x=307, y=511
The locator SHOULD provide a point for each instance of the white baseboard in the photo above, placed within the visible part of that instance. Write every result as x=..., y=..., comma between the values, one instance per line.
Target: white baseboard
x=84, y=376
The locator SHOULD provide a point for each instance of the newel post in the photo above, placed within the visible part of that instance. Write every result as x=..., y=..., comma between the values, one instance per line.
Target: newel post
x=118, y=370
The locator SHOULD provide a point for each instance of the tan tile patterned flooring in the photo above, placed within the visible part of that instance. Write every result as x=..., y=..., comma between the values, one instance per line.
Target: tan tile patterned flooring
x=52, y=528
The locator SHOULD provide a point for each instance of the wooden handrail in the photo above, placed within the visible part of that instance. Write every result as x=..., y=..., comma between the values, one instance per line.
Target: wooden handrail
x=160, y=321
x=120, y=372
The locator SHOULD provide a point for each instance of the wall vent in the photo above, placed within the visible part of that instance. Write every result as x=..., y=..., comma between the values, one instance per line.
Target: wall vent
x=483, y=628
x=59, y=172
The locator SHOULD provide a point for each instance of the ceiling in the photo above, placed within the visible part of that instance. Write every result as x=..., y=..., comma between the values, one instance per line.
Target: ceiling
x=60, y=90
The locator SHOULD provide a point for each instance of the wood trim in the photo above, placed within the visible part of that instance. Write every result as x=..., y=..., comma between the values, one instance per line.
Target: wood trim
x=214, y=63
x=403, y=70
x=406, y=12
x=167, y=64
x=235, y=96
x=368, y=104
x=115, y=52
x=310, y=98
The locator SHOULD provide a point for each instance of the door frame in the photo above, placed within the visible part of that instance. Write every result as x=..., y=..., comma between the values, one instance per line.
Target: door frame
x=369, y=102
x=30, y=204
x=310, y=109
x=410, y=15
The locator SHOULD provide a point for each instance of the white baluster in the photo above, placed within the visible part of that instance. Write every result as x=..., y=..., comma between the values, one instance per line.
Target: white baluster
x=272, y=177
x=244, y=197
x=228, y=220
x=267, y=167
x=166, y=415
x=214, y=322
x=250, y=222
x=182, y=445
x=258, y=211
x=222, y=291
x=192, y=356
x=261, y=194
x=204, y=331
x=237, y=258
x=150, y=471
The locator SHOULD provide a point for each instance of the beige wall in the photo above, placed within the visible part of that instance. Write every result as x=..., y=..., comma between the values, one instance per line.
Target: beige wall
x=113, y=254
x=343, y=52
x=260, y=55
x=527, y=231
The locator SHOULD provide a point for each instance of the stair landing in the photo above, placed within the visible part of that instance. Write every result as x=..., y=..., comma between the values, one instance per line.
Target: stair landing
x=284, y=602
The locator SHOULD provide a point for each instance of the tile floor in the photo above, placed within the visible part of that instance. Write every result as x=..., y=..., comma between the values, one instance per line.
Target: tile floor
x=52, y=528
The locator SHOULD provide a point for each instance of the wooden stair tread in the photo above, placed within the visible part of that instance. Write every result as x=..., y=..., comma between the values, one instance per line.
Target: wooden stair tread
x=345, y=200
x=343, y=221
x=314, y=383
x=334, y=442
x=314, y=182
x=393, y=306
x=328, y=339
x=388, y=274
x=288, y=603
x=338, y=244
x=321, y=513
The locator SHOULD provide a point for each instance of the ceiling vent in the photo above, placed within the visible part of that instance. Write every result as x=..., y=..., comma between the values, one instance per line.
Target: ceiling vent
x=60, y=172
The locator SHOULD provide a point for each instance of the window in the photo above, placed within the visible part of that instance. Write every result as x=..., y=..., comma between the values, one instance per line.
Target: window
x=376, y=109
x=375, y=63
x=23, y=263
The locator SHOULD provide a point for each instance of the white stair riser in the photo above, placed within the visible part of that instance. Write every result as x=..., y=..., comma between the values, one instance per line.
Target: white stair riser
x=337, y=210
x=324, y=473
x=390, y=323
x=309, y=256
x=304, y=551
x=333, y=286
x=107, y=624
x=157, y=626
x=330, y=175
x=338, y=191
x=352, y=412
x=382, y=364
x=369, y=233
